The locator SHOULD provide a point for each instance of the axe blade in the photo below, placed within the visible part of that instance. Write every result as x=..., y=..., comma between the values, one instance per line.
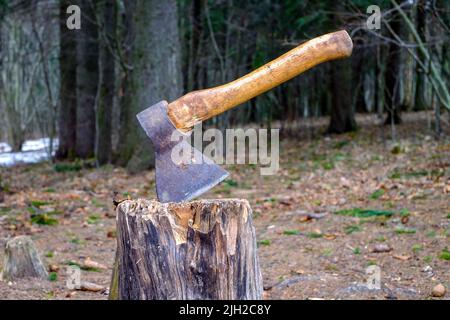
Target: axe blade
x=177, y=182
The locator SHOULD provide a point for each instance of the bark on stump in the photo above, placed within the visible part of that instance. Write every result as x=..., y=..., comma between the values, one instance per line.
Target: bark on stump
x=196, y=250
x=22, y=260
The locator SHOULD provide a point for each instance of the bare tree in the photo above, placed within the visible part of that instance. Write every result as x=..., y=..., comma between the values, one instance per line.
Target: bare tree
x=155, y=73
x=67, y=105
x=18, y=77
x=105, y=103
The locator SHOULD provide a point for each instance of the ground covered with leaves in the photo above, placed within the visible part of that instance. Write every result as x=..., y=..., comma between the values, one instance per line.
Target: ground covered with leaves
x=338, y=205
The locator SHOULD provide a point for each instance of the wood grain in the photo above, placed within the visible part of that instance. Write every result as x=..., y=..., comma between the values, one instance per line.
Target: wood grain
x=201, y=105
x=22, y=260
x=203, y=249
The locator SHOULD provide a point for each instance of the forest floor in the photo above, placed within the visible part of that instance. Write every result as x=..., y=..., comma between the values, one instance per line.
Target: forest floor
x=320, y=222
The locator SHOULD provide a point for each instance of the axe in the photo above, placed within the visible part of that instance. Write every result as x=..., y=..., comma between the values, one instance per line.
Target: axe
x=180, y=181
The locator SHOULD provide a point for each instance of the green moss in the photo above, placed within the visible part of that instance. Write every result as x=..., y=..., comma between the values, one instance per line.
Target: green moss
x=377, y=194
x=53, y=276
x=328, y=165
x=44, y=219
x=364, y=213
x=264, y=242
x=4, y=210
x=67, y=167
x=397, y=174
x=445, y=255
x=431, y=234
x=397, y=149
x=291, y=232
x=352, y=228
x=404, y=212
x=93, y=219
x=371, y=263
x=230, y=183
x=402, y=230
x=39, y=203
x=314, y=235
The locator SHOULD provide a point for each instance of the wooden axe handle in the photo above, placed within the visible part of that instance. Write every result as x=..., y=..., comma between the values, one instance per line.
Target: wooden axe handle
x=201, y=105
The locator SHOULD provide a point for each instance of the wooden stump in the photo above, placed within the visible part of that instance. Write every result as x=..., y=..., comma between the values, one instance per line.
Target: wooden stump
x=22, y=260
x=196, y=250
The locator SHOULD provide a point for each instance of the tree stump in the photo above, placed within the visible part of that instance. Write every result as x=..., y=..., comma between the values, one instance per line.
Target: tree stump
x=193, y=250
x=22, y=260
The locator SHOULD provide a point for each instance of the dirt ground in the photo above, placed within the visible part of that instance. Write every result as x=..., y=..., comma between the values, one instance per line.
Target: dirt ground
x=336, y=201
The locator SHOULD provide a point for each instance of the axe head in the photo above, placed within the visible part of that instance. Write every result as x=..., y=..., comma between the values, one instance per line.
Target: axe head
x=177, y=181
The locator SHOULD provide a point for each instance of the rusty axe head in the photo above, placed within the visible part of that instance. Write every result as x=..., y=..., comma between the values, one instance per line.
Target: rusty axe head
x=175, y=181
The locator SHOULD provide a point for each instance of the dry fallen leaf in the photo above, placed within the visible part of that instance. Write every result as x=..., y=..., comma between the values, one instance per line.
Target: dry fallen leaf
x=53, y=268
x=329, y=236
x=91, y=264
x=402, y=257
x=89, y=286
x=439, y=291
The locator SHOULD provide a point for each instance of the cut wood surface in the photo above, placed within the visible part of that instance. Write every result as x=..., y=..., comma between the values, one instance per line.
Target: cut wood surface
x=22, y=260
x=194, y=250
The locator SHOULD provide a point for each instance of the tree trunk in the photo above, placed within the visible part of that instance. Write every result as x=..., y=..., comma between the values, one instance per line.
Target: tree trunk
x=342, y=113
x=199, y=250
x=422, y=99
x=155, y=74
x=393, y=78
x=22, y=260
x=67, y=108
x=2, y=194
x=195, y=44
x=87, y=80
x=107, y=85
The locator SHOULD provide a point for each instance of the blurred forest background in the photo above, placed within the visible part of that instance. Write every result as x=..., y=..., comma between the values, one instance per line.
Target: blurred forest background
x=364, y=173
x=82, y=88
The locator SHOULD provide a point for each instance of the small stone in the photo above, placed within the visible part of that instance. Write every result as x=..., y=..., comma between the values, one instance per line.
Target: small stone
x=379, y=248
x=427, y=269
x=438, y=291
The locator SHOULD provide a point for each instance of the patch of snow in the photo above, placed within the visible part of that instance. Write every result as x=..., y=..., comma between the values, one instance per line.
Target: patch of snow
x=38, y=144
x=33, y=151
x=4, y=147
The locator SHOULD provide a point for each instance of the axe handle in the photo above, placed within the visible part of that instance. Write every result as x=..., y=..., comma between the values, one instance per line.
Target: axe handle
x=201, y=105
